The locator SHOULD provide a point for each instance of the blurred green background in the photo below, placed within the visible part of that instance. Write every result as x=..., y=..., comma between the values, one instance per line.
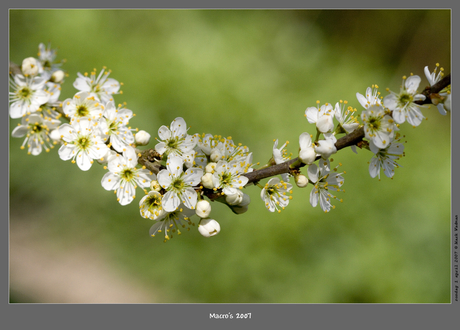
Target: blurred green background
x=249, y=74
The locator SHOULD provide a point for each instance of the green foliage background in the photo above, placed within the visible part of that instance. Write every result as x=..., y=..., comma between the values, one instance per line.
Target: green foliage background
x=251, y=74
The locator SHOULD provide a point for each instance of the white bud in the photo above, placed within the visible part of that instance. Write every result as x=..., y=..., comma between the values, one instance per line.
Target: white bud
x=301, y=181
x=216, y=155
x=55, y=135
x=206, y=180
x=29, y=66
x=234, y=199
x=447, y=102
x=203, y=208
x=325, y=123
x=326, y=148
x=307, y=155
x=57, y=76
x=142, y=138
x=154, y=185
x=208, y=227
x=210, y=167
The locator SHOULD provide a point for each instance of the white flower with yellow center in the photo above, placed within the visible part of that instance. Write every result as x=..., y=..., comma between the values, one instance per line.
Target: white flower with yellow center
x=171, y=222
x=378, y=126
x=179, y=184
x=403, y=105
x=101, y=87
x=385, y=159
x=323, y=181
x=27, y=96
x=371, y=98
x=227, y=177
x=347, y=121
x=275, y=194
x=175, y=141
x=114, y=123
x=124, y=177
x=37, y=131
x=82, y=143
x=82, y=105
x=150, y=205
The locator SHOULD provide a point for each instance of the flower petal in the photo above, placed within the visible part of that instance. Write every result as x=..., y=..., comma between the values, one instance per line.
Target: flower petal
x=170, y=201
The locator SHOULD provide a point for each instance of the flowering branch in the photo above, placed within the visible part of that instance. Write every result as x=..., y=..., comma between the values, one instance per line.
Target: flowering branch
x=183, y=171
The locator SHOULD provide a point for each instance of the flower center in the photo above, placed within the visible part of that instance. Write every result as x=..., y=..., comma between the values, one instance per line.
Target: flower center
x=374, y=123
x=83, y=142
x=82, y=111
x=154, y=201
x=113, y=127
x=178, y=184
x=37, y=128
x=24, y=93
x=127, y=174
x=405, y=98
x=173, y=143
x=225, y=179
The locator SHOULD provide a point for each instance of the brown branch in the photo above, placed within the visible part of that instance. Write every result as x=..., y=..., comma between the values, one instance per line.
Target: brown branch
x=151, y=159
x=348, y=140
x=434, y=90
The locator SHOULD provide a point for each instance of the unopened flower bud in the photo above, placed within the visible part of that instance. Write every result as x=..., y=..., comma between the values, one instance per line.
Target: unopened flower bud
x=210, y=167
x=208, y=227
x=154, y=185
x=55, y=135
x=326, y=148
x=216, y=155
x=57, y=76
x=142, y=138
x=206, y=180
x=203, y=208
x=307, y=155
x=234, y=199
x=301, y=181
x=29, y=66
x=447, y=102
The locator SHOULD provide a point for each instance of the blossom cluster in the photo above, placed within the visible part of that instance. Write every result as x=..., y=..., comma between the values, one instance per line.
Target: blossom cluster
x=195, y=166
x=189, y=171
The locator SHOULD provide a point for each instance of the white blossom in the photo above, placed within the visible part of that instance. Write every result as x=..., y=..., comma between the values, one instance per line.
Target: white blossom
x=378, y=126
x=82, y=143
x=37, y=131
x=175, y=141
x=101, y=87
x=124, y=177
x=403, y=105
x=275, y=194
x=179, y=184
x=171, y=222
x=27, y=96
x=385, y=159
x=323, y=181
